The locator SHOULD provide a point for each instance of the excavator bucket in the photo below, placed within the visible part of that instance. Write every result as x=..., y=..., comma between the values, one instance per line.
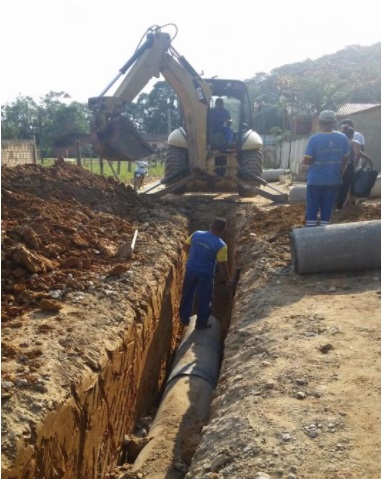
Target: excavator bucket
x=119, y=140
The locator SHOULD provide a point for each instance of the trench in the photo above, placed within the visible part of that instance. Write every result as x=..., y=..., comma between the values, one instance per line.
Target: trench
x=102, y=426
x=183, y=403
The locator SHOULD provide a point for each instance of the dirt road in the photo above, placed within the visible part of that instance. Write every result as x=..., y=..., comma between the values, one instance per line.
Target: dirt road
x=299, y=389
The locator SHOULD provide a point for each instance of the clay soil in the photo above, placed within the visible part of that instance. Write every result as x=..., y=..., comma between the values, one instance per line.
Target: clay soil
x=299, y=389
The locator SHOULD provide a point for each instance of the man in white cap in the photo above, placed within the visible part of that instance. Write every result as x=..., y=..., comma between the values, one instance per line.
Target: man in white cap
x=326, y=155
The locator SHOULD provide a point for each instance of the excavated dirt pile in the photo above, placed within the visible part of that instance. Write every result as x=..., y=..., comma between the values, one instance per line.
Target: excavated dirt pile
x=87, y=341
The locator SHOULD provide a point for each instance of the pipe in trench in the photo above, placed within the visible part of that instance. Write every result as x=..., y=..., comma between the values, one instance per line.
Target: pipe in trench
x=186, y=400
x=341, y=247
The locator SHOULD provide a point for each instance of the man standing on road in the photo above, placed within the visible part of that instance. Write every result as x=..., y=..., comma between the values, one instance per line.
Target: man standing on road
x=326, y=156
x=204, y=249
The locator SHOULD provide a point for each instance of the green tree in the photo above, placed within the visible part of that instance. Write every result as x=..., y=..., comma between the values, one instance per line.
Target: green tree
x=301, y=90
x=18, y=118
x=156, y=112
x=51, y=120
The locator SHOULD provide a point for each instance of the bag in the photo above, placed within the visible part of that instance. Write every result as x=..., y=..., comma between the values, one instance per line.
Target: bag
x=364, y=180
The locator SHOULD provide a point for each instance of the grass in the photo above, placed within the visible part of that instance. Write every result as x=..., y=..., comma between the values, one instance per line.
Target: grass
x=124, y=175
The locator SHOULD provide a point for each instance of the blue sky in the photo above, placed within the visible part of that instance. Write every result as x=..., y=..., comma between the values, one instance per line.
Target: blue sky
x=78, y=46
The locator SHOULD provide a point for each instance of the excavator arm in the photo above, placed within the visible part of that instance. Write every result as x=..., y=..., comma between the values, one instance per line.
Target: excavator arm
x=115, y=137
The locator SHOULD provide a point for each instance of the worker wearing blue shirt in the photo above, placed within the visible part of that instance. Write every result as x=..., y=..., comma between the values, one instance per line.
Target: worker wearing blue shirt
x=205, y=249
x=221, y=119
x=326, y=155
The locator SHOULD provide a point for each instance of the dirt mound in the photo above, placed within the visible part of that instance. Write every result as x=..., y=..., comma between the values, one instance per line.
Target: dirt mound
x=60, y=225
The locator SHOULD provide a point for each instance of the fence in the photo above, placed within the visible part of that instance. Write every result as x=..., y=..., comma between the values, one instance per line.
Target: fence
x=287, y=155
x=18, y=152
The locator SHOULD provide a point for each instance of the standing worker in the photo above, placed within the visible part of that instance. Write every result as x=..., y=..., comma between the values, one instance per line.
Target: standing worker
x=357, y=135
x=326, y=155
x=204, y=249
x=354, y=160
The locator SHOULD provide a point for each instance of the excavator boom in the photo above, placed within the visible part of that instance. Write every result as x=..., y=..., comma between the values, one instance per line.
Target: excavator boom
x=116, y=138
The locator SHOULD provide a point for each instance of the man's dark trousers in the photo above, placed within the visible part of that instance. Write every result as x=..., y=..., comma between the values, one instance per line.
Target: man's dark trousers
x=201, y=284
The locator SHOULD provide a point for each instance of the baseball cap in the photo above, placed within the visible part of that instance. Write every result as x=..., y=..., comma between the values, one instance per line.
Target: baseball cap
x=327, y=115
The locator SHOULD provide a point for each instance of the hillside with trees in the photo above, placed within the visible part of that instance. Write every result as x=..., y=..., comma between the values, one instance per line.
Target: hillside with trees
x=298, y=90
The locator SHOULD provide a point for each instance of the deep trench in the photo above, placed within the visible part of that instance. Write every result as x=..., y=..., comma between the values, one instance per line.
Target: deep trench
x=221, y=309
x=96, y=428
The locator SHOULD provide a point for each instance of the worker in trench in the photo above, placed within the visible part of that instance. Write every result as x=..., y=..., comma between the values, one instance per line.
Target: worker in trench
x=205, y=249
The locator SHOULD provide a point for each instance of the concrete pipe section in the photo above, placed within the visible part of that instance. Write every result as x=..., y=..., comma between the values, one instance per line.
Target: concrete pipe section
x=186, y=402
x=273, y=174
x=376, y=190
x=297, y=193
x=342, y=247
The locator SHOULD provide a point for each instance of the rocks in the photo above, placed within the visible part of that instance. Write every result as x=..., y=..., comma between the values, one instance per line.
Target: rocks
x=50, y=305
x=33, y=262
x=325, y=348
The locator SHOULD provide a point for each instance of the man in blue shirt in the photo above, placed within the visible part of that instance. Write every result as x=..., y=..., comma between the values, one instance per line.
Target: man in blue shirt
x=326, y=155
x=205, y=249
x=221, y=119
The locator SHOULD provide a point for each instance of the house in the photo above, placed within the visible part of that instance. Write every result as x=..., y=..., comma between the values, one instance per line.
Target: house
x=367, y=120
x=156, y=141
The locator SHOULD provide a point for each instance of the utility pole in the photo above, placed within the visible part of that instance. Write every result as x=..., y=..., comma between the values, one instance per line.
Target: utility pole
x=168, y=120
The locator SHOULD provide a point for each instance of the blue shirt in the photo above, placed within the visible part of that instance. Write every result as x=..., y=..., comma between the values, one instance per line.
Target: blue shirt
x=219, y=115
x=327, y=151
x=205, y=249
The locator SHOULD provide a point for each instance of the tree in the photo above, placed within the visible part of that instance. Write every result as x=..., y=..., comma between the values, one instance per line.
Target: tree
x=300, y=90
x=50, y=120
x=18, y=118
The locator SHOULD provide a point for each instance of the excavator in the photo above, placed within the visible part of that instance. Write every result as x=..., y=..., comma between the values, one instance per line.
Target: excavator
x=198, y=157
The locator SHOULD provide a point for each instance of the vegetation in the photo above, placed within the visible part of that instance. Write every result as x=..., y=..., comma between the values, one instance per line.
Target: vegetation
x=290, y=92
x=301, y=90
x=123, y=170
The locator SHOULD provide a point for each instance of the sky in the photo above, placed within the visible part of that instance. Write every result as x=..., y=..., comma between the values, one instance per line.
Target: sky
x=78, y=46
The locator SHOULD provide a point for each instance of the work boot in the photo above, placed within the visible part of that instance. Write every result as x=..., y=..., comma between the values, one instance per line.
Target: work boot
x=203, y=326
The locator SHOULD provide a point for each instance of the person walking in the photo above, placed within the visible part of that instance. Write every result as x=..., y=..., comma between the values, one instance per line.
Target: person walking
x=204, y=249
x=326, y=156
x=354, y=160
x=357, y=135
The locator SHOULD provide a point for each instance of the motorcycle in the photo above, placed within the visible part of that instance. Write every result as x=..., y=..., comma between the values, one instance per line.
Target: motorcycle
x=140, y=174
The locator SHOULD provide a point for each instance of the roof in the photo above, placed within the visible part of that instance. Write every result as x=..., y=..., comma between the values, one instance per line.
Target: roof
x=351, y=108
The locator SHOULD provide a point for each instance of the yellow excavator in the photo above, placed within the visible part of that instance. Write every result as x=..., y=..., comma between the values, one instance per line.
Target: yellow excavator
x=199, y=156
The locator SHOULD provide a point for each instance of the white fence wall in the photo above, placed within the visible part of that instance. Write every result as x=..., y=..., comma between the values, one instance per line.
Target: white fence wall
x=17, y=152
x=291, y=154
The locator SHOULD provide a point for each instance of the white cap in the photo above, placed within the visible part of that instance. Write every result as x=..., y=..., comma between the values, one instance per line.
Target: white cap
x=327, y=115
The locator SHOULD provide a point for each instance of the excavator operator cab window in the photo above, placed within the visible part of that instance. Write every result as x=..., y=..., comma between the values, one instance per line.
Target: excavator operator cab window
x=223, y=121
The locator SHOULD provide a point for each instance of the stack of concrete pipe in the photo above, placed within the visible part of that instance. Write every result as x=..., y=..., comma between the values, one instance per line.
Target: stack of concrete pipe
x=186, y=400
x=340, y=247
x=297, y=193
